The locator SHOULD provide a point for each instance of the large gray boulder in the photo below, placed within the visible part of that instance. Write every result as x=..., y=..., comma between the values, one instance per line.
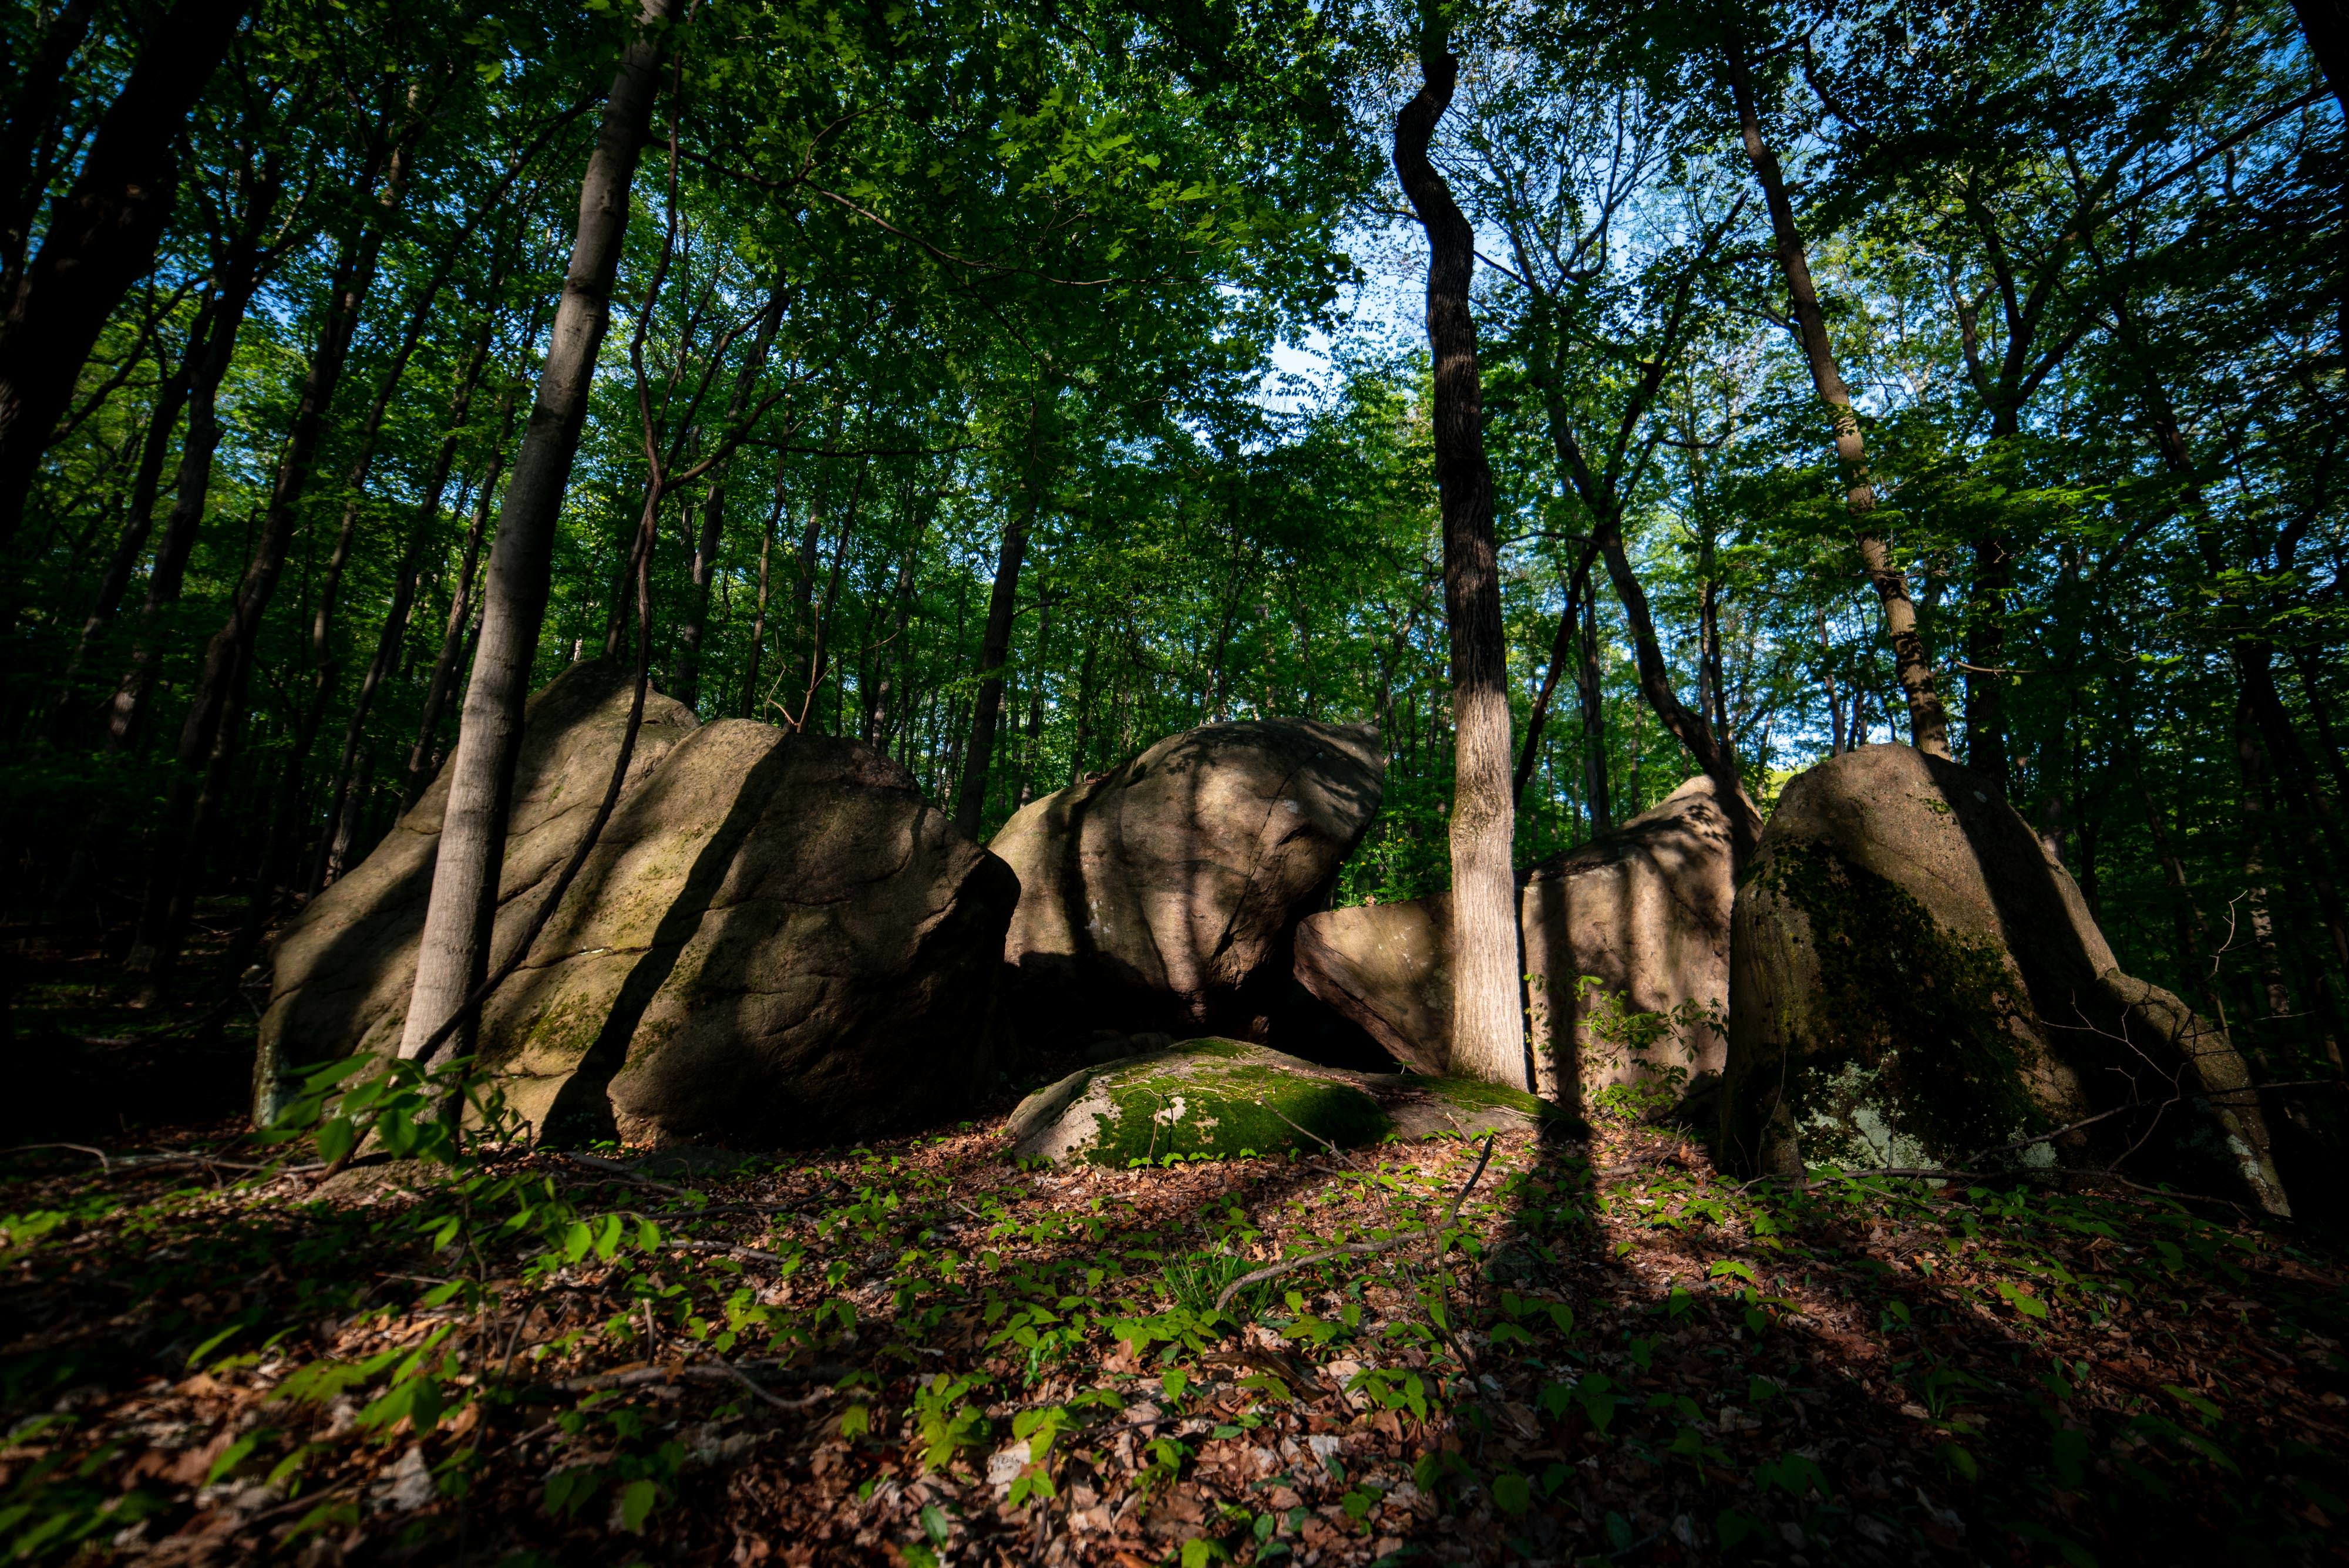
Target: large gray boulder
x=1644, y=909
x=774, y=941
x=1917, y=982
x=342, y=972
x=1221, y=1099
x=1162, y=894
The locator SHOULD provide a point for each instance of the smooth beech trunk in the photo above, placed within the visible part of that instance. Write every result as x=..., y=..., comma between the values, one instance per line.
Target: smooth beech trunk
x=1929, y=726
x=100, y=238
x=457, y=634
x=340, y=805
x=453, y=958
x=766, y=578
x=1488, y=1027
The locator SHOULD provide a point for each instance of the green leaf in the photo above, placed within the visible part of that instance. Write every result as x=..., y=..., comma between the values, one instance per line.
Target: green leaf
x=636, y=1499
x=336, y=1139
x=1512, y=1494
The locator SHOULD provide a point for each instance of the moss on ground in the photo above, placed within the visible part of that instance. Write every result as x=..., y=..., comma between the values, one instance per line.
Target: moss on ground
x=1915, y=1032
x=1226, y=1106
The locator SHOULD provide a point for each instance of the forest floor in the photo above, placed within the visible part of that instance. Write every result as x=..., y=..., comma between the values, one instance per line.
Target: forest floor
x=920, y=1352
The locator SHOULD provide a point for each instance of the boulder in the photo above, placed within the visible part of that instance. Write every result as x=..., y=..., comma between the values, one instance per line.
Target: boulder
x=1215, y=1097
x=1162, y=894
x=341, y=970
x=774, y=941
x=1916, y=982
x=1645, y=910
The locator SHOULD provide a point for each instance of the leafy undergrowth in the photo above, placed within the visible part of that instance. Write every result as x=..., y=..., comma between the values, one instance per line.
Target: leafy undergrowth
x=921, y=1353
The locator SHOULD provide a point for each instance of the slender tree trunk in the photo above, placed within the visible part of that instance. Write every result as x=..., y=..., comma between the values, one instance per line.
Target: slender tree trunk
x=896, y=668
x=1591, y=697
x=25, y=171
x=759, y=619
x=170, y=399
x=995, y=643
x=1562, y=648
x=215, y=708
x=1035, y=699
x=340, y=804
x=702, y=570
x=453, y=957
x=461, y=624
x=1489, y=1031
x=1929, y=727
x=102, y=237
x=241, y=273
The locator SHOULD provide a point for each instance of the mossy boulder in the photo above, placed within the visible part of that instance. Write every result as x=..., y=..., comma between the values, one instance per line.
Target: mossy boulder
x=341, y=970
x=1644, y=909
x=1915, y=982
x=1163, y=894
x=1221, y=1099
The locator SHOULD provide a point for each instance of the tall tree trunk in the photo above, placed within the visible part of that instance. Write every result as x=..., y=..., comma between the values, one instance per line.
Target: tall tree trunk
x=394, y=631
x=34, y=97
x=995, y=643
x=2326, y=27
x=241, y=269
x=457, y=635
x=1488, y=1026
x=758, y=616
x=1562, y=648
x=1929, y=727
x=170, y=399
x=215, y=710
x=702, y=570
x=1035, y=698
x=102, y=237
x=1591, y=698
x=892, y=678
x=452, y=959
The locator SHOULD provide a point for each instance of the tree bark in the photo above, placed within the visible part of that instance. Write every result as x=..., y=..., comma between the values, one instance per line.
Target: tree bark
x=1928, y=728
x=171, y=400
x=101, y=238
x=2326, y=27
x=454, y=956
x=457, y=635
x=215, y=711
x=32, y=120
x=243, y=267
x=394, y=631
x=995, y=643
x=1488, y=1029
x=703, y=568
x=1565, y=646
x=758, y=618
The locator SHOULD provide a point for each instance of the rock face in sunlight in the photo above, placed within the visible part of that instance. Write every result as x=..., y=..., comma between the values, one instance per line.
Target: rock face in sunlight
x=1644, y=909
x=343, y=969
x=776, y=941
x=1916, y=981
x=1163, y=894
x=1224, y=1097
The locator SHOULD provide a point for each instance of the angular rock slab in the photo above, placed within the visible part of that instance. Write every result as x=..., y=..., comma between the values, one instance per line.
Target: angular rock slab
x=342, y=972
x=776, y=942
x=1644, y=909
x=1915, y=982
x=1224, y=1098
x=1162, y=894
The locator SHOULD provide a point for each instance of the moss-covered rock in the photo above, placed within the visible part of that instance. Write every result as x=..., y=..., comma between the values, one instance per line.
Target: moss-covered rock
x=1915, y=982
x=1220, y=1099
